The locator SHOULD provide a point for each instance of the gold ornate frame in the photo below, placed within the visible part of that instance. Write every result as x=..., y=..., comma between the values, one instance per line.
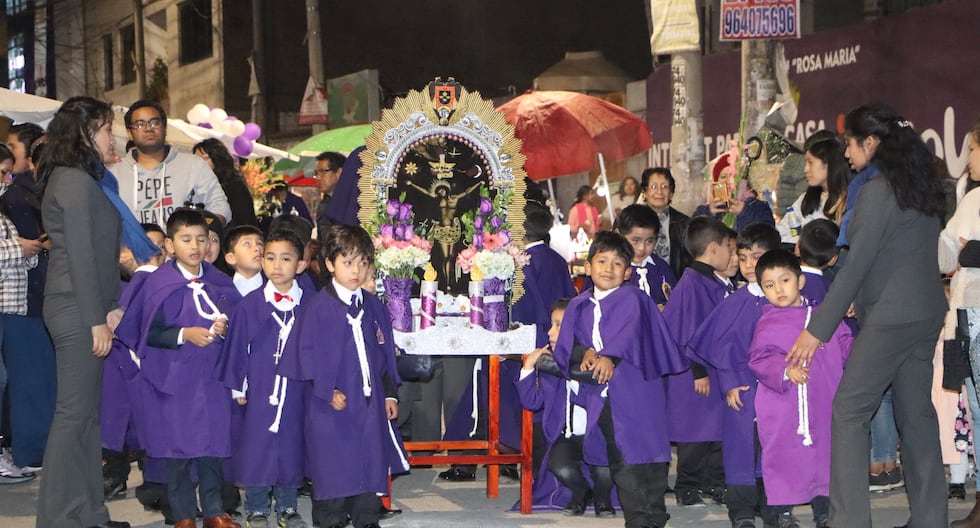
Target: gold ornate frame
x=444, y=109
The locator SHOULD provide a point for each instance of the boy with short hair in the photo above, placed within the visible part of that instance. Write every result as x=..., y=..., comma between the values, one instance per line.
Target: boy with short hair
x=794, y=422
x=640, y=226
x=817, y=249
x=694, y=413
x=346, y=348
x=267, y=459
x=629, y=350
x=722, y=342
x=175, y=323
x=244, y=251
x=304, y=230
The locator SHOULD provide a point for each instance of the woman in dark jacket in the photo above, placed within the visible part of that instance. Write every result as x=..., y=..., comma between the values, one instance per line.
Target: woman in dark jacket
x=219, y=159
x=658, y=188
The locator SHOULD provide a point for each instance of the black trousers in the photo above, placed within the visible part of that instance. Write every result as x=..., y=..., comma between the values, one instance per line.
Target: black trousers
x=363, y=509
x=116, y=466
x=699, y=466
x=641, y=487
x=565, y=462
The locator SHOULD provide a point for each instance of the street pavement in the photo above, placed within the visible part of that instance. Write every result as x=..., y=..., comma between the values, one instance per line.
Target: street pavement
x=430, y=502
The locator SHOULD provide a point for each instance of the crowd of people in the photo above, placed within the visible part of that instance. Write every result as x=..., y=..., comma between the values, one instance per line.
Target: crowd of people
x=144, y=289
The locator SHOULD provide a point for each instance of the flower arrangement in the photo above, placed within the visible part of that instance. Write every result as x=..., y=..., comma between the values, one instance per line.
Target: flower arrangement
x=491, y=249
x=400, y=249
x=730, y=169
x=261, y=181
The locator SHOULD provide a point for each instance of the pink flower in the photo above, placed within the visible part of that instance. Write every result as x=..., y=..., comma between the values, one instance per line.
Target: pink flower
x=377, y=242
x=401, y=244
x=491, y=241
x=387, y=241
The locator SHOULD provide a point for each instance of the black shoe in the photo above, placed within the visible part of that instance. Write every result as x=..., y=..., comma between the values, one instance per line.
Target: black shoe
x=510, y=471
x=718, y=494
x=689, y=498
x=744, y=523
x=306, y=489
x=957, y=492
x=113, y=488
x=112, y=524
x=372, y=525
x=604, y=511
x=456, y=474
x=576, y=508
x=388, y=514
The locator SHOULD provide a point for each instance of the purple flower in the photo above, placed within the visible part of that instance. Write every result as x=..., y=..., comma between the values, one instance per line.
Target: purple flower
x=478, y=240
x=409, y=231
x=504, y=237
x=486, y=206
x=387, y=231
x=405, y=212
x=478, y=223
x=496, y=222
x=392, y=207
x=400, y=232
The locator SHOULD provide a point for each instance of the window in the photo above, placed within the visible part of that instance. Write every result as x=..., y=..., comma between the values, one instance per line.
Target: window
x=16, y=62
x=107, y=61
x=16, y=6
x=194, y=23
x=127, y=45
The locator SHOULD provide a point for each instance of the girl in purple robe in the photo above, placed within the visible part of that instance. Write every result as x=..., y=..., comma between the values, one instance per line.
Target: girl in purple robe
x=793, y=404
x=346, y=348
x=267, y=455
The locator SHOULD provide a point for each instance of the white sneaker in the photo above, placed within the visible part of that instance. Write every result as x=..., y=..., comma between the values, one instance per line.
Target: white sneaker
x=8, y=469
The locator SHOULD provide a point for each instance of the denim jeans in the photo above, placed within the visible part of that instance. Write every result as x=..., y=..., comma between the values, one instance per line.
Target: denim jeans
x=259, y=499
x=884, y=433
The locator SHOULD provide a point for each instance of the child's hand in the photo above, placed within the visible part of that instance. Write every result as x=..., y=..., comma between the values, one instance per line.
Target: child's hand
x=220, y=327
x=702, y=386
x=339, y=401
x=531, y=360
x=661, y=307
x=602, y=370
x=391, y=409
x=241, y=400
x=797, y=374
x=199, y=336
x=734, y=397
x=588, y=360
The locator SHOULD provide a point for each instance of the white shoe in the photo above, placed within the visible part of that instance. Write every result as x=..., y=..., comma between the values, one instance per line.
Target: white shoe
x=9, y=470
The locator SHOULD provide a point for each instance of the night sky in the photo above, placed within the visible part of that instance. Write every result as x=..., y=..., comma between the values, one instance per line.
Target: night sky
x=487, y=45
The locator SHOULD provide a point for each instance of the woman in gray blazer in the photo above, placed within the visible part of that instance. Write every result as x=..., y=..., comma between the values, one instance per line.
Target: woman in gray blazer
x=891, y=277
x=80, y=307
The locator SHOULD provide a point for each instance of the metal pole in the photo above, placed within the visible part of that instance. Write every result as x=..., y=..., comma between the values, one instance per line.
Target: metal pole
x=258, y=64
x=313, y=37
x=139, y=50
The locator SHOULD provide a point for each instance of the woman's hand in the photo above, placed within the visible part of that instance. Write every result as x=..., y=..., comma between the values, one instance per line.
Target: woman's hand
x=30, y=247
x=101, y=340
x=802, y=351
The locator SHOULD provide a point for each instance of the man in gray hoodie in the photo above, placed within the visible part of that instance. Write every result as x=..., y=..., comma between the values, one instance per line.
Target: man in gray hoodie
x=155, y=179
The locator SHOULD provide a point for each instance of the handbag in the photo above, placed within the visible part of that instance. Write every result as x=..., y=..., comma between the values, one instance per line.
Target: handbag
x=956, y=358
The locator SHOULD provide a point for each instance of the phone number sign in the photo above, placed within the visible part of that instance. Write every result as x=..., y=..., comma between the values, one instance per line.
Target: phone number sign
x=759, y=19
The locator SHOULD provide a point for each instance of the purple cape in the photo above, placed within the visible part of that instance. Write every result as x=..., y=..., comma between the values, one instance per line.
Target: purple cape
x=691, y=417
x=632, y=330
x=794, y=473
x=187, y=412
x=815, y=287
x=722, y=344
x=260, y=457
x=350, y=451
x=546, y=279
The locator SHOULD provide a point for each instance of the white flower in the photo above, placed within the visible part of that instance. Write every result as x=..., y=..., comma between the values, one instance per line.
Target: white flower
x=400, y=262
x=493, y=264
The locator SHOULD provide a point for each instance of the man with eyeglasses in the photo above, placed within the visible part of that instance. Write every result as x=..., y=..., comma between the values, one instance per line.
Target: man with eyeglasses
x=328, y=167
x=155, y=179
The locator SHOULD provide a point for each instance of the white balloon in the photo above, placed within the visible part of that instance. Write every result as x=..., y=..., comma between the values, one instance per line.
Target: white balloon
x=235, y=127
x=199, y=113
x=218, y=116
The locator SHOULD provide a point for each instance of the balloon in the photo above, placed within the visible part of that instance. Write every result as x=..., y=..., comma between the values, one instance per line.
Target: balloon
x=198, y=113
x=234, y=127
x=252, y=131
x=243, y=146
x=204, y=125
x=217, y=116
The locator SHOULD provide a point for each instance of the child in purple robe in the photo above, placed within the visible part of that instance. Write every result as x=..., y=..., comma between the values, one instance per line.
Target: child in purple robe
x=640, y=225
x=267, y=454
x=543, y=388
x=175, y=323
x=346, y=348
x=793, y=403
x=817, y=249
x=694, y=409
x=120, y=380
x=303, y=228
x=244, y=252
x=629, y=350
x=722, y=343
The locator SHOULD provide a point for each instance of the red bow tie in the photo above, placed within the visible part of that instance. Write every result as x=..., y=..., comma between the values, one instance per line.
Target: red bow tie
x=278, y=297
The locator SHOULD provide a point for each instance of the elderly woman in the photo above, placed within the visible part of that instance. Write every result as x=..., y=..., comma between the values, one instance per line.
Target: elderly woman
x=658, y=186
x=891, y=278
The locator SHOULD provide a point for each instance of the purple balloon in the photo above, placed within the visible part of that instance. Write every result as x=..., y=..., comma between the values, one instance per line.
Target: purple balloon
x=204, y=125
x=252, y=131
x=243, y=146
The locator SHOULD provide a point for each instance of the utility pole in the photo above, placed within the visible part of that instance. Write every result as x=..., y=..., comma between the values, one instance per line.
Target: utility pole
x=140, y=61
x=687, y=130
x=313, y=37
x=759, y=87
x=258, y=66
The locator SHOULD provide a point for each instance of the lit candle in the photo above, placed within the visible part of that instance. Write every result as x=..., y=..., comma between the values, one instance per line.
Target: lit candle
x=429, y=290
x=476, y=296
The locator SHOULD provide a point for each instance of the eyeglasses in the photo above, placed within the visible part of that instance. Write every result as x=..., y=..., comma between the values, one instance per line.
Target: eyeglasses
x=661, y=186
x=154, y=123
